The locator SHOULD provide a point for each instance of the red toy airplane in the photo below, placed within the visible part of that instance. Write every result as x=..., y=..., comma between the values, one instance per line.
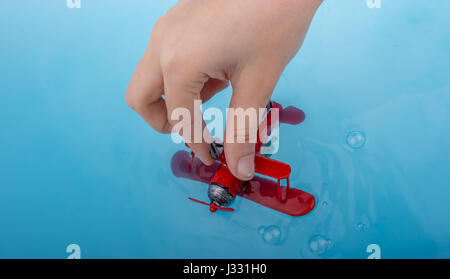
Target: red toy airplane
x=224, y=187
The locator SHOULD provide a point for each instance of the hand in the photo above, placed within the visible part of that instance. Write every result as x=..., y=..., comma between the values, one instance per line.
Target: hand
x=200, y=46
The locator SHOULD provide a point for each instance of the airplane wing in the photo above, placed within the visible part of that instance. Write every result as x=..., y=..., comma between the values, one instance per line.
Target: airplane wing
x=272, y=168
x=261, y=190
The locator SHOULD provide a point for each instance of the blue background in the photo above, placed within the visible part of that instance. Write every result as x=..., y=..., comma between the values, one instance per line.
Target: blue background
x=78, y=166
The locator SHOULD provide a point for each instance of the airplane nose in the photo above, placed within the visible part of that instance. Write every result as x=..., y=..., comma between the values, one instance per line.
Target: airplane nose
x=219, y=195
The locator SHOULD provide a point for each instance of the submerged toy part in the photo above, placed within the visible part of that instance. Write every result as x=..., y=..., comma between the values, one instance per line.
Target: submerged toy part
x=259, y=190
x=219, y=195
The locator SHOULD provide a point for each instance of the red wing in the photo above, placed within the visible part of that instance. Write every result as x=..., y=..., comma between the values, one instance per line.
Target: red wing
x=263, y=191
x=272, y=168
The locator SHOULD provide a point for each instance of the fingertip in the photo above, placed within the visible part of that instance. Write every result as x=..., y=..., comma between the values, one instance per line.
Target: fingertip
x=207, y=161
x=202, y=152
x=246, y=167
x=241, y=160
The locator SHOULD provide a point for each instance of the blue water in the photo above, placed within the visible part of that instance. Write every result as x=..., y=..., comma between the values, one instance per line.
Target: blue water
x=77, y=166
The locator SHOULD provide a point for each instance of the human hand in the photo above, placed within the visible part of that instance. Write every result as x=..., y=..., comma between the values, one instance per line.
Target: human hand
x=200, y=46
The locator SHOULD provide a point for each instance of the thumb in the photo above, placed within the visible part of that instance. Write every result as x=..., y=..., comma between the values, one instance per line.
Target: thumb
x=252, y=90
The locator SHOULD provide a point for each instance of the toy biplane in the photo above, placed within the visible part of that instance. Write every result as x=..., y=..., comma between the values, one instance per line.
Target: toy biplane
x=224, y=187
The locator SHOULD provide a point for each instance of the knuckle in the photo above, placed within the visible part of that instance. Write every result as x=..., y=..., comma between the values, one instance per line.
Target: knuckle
x=157, y=31
x=177, y=74
x=163, y=127
x=130, y=99
x=159, y=26
x=134, y=100
x=173, y=63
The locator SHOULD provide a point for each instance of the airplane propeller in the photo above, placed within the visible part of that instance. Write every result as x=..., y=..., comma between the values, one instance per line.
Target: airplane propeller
x=212, y=206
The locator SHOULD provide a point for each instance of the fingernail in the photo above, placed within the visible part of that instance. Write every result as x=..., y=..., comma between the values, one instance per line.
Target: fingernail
x=246, y=166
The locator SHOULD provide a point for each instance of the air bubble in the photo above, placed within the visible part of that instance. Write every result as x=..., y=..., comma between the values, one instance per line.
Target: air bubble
x=361, y=227
x=319, y=244
x=261, y=230
x=271, y=234
x=356, y=139
x=324, y=204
